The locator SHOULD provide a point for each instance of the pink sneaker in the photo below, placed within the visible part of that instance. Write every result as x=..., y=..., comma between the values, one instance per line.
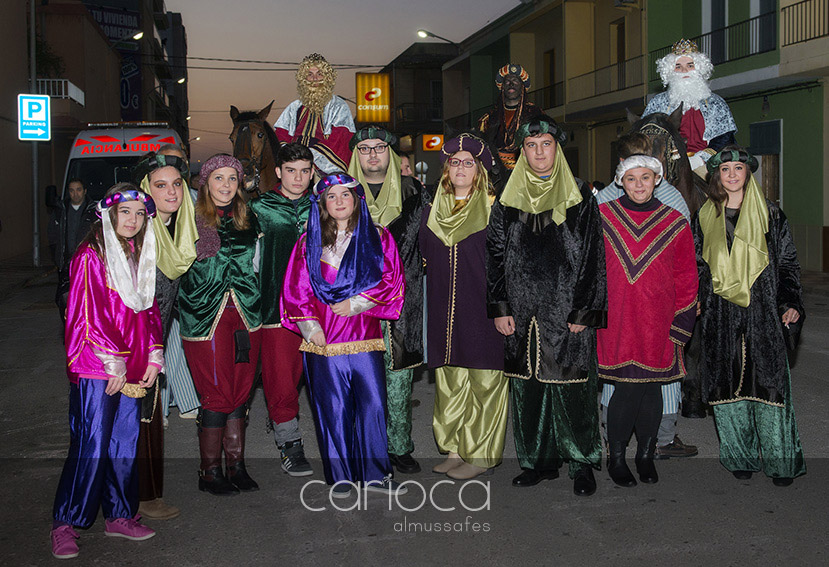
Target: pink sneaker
x=63, y=542
x=128, y=528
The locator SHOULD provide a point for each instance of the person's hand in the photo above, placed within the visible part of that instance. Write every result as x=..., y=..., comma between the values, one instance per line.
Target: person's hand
x=150, y=374
x=505, y=325
x=114, y=384
x=576, y=329
x=318, y=339
x=343, y=308
x=790, y=316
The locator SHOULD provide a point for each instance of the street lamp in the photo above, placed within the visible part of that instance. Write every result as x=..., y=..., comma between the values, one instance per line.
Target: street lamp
x=196, y=139
x=181, y=80
x=126, y=39
x=426, y=33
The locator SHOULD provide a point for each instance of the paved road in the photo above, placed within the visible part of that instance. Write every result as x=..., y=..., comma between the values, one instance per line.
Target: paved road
x=697, y=514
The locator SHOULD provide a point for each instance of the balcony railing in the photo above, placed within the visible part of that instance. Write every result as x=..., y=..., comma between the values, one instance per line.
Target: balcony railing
x=547, y=97
x=737, y=41
x=617, y=77
x=61, y=88
x=804, y=21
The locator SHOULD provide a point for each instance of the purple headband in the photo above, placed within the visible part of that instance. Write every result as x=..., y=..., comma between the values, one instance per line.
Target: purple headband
x=217, y=162
x=338, y=179
x=123, y=197
x=468, y=143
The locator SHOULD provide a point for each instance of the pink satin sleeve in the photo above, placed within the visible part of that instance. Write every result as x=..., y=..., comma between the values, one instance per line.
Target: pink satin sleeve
x=389, y=293
x=297, y=301
x=87, y=322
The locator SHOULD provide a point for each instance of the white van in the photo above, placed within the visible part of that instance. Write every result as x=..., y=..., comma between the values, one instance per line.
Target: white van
x=105, y=154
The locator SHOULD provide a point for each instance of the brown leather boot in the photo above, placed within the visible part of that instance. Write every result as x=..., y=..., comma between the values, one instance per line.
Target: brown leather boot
x=234, y=444
x=211, y=433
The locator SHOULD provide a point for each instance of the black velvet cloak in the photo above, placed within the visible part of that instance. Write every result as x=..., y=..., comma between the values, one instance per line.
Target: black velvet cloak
x=743, y=350
x=407, y=332
x=545, y=276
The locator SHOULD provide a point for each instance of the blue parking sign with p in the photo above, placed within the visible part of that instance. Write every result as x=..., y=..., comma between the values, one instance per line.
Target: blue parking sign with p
x=34, y=122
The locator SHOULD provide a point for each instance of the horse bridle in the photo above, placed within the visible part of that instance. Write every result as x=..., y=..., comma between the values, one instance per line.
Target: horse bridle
x=256, y=160
x=671, y=155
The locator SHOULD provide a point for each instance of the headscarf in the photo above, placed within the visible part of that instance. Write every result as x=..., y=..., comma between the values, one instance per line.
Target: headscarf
x=636, y=161
x=512, y=69
x=362, y=265
x=388, y=204
x=526, y=191
x=174, y=255
x=445, y=221
x=137, y=294
x=734, y=272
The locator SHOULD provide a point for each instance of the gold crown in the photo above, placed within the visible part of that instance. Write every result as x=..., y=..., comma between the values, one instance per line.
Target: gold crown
x=685, y=47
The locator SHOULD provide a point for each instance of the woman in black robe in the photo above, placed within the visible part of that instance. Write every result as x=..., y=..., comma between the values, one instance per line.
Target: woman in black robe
x=750, y=301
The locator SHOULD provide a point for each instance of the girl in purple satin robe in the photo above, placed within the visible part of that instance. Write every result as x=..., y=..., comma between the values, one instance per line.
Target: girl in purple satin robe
x=114, y=352
x=343, y=277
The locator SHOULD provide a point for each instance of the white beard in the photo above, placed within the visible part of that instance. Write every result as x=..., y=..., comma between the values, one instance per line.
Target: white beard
x=690, y=91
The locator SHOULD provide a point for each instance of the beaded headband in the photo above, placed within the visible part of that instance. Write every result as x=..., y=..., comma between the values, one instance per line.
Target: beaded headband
x=123, y=197
x=341, y=179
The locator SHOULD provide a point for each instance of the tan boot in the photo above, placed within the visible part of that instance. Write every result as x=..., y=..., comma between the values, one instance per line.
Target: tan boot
x=157, y=510
x=454, y=460
x=467, y=471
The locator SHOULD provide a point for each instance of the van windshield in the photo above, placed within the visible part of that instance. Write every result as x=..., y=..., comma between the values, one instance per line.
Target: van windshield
x=99, y=174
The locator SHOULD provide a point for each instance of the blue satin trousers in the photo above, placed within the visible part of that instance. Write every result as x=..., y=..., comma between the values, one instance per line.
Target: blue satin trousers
x=100, y=470
x=348, y=394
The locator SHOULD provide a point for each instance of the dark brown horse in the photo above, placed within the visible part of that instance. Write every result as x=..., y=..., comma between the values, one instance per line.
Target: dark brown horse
x=255, y=145
x=669, y=148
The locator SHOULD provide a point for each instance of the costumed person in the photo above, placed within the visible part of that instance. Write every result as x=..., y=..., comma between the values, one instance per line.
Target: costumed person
x=546, y=294
x=343, y=277
x=221, y=312
x=668, y=442
x=319, y=119
x=69, y=223
x=466, y=351
x=282, y=214
x=396, y=202
x=177, y=384
x=500, y=124
x=113, y=353
x=174, y=226
x=651, y=300
x=751, y=312
x=707, y=124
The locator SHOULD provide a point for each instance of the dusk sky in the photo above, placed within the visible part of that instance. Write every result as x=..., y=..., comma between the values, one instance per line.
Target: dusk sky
x=364, y=32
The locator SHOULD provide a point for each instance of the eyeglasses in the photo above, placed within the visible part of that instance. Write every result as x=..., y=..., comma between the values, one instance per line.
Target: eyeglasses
x=467, y=163
x=378, y=149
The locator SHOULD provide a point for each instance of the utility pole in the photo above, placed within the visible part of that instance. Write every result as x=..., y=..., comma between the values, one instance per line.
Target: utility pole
x=35, y=194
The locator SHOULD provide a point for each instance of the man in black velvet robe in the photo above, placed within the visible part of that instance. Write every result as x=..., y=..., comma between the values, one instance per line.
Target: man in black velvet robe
x=396, y=202
x=547, y=292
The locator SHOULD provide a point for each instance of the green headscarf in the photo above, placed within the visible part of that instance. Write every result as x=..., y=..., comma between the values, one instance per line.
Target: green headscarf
x=734, y=273
x=526, y=191
x=174, y=256
x=389, y=202
x=452, y=228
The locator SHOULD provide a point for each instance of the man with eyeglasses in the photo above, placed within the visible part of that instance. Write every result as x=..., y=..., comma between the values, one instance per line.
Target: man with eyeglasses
x=396, y=202
x=319, y=119
x=547, y=294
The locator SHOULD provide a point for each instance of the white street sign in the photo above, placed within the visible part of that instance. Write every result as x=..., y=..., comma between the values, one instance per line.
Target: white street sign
x=34, y=118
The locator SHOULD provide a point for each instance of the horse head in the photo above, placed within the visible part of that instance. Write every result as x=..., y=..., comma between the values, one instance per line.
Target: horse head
x=669, y=148
x=254, y=145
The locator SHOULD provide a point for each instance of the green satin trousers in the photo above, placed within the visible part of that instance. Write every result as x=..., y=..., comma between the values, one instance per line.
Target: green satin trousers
x=760, y=437
x=470, y=416
x=398, y=403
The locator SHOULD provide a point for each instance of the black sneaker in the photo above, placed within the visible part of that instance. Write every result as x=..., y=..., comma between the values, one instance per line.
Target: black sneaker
x=385, y=486
x=405, y=464
x=293, y=459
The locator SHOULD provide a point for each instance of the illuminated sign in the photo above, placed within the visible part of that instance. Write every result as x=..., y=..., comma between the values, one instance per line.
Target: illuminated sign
x=432, y=142
x=373, y=97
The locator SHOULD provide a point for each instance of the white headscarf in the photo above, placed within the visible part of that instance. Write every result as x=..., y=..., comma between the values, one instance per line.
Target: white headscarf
x=137, y=294
x=636, y=161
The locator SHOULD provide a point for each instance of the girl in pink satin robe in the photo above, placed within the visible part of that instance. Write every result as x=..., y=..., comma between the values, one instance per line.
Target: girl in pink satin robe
x=113, y=351
x=344, y=276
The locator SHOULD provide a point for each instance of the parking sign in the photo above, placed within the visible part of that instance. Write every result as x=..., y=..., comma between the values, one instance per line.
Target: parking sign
x=34, y=122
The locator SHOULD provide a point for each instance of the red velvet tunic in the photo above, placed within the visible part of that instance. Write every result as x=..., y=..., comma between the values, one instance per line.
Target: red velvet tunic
x=651, y=291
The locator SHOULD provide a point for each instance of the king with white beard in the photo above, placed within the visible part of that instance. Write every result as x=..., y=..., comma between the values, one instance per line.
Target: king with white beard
x=707, y=124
